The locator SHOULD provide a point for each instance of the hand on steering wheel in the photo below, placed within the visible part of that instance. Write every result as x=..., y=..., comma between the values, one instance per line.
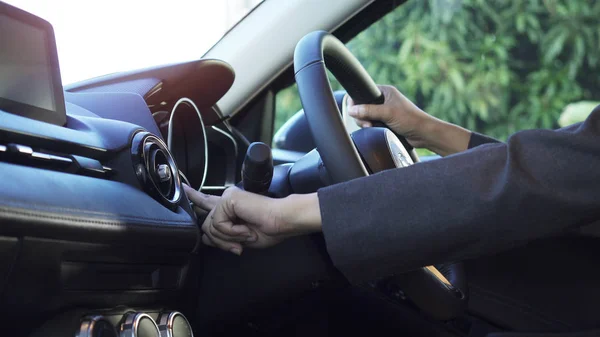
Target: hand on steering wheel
x=403, y=117
x=400, y=114
x=319, y=51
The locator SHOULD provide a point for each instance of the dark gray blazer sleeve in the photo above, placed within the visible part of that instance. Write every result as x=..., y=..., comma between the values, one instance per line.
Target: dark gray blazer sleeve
x=490, y=198
x=479, y=139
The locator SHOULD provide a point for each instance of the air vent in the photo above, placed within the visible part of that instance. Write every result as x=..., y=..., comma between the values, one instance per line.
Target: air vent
x=40, y=158
x=155, y=169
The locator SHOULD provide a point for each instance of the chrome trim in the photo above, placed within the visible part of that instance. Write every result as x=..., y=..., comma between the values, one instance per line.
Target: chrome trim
x=190, y=103
x=164, y=173
x=165, y=324
x=40, y=155
x=59, y=158
x=184, y=178
x=215, y=188
x=22, y=149
x=235, y=144
x=88, y=323
x=235, y=150
x=399, y=154
x=130, y=326
x=172, y=166
x=45, y=156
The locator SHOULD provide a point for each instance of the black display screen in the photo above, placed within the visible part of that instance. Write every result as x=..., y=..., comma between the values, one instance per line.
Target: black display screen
x=30, y=82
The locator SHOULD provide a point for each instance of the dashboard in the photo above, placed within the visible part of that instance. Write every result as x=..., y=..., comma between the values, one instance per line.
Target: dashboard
x=97, y=237
x=95, y=228
x=85, y=208
x=110, y=242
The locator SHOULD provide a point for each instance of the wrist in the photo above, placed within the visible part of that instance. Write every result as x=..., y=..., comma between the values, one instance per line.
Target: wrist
x=300, y=214
x=429, y=132
x=444, y=138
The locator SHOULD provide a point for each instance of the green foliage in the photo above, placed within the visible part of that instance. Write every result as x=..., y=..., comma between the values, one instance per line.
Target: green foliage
x=576, y=112
x=287, y=103
x=492, y=66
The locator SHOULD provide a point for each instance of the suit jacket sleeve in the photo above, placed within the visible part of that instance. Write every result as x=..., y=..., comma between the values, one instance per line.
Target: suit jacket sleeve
x=479, y=139
x=492, y=197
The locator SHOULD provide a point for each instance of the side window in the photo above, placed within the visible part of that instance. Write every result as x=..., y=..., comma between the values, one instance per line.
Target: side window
x=287, y=103
x=495, y=67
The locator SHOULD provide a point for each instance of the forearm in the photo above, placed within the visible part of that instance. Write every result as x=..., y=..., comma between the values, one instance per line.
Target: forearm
x=479, y=202
x=300, y=213
x=444, y=138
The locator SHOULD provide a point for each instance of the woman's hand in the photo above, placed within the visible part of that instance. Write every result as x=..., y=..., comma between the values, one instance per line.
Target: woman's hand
x=241, y=219
x=397, y=112
x=420, y=129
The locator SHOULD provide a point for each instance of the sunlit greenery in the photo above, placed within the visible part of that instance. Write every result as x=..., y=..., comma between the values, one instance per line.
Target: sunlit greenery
x=492, y=66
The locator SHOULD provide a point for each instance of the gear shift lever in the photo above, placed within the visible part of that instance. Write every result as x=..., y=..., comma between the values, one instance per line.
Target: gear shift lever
x=257, y=169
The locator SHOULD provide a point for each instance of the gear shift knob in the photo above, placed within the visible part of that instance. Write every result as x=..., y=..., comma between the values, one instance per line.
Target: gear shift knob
x=257, y=169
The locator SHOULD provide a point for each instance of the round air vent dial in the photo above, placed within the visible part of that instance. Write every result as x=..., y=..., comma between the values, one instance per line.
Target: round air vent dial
x=174, y=324
x=139, y=325
x=96, y=326
x=156, y=169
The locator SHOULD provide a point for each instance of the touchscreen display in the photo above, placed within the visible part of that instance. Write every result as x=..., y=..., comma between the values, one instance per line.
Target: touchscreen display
x=25, y=70
x=30, y=84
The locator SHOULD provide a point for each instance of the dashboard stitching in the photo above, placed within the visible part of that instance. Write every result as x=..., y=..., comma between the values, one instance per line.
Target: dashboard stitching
x=159, y=222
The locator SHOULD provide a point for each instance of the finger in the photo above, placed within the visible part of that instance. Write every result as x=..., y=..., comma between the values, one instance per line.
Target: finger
x=230, y=229
x=228, y=245
x=245, y=237
x=206, y=224
x=363, y=123
x=204, y=201
x=206, y=241
x=222, y=226
x=232, y=247
x=350, y=101
x=200, y=211
x=358, y=111
x=209, y=242
x=368, y=112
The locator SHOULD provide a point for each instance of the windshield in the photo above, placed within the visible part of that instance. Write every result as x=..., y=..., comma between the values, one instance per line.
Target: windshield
x=100, y=37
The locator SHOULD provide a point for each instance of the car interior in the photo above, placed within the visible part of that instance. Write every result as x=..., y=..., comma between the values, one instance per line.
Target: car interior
x=98, y=238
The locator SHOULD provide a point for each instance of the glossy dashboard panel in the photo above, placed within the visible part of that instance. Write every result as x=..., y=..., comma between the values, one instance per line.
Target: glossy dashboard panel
x=76, y=225
x=79, y=226
x=115, y=197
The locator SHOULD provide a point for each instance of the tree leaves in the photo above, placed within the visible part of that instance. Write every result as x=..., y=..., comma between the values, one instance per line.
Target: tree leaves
x=493, y=66
x=555, y=46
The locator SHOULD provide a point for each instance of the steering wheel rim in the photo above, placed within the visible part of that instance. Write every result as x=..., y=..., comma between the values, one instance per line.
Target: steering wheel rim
x=337, y=150
x=314, y=54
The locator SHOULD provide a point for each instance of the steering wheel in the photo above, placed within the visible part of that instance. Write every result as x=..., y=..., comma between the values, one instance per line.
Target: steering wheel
x=440, y=292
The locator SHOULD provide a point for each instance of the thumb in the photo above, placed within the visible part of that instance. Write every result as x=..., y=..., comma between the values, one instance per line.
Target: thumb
x=367, y=112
